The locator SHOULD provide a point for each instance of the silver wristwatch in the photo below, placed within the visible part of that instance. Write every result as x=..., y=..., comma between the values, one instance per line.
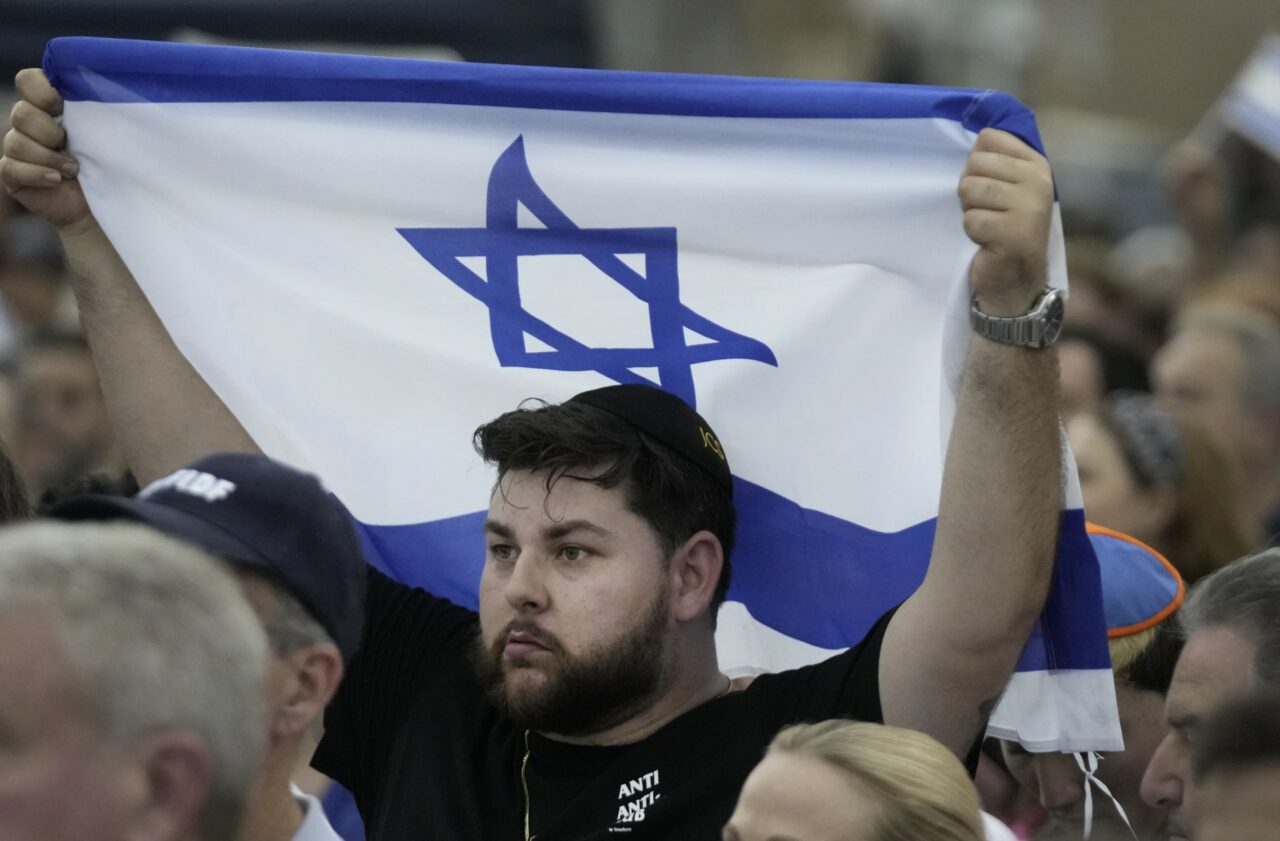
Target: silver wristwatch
x=1039, y=328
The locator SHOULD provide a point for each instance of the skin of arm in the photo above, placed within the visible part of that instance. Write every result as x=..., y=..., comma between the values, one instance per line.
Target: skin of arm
x=162, y=411
x=952, y=646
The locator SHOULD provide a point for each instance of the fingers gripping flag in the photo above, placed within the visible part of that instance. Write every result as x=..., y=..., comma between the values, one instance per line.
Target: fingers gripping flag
x=366, y=258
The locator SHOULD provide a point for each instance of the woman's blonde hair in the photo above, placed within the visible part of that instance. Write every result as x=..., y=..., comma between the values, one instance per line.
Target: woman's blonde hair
x=924, y=792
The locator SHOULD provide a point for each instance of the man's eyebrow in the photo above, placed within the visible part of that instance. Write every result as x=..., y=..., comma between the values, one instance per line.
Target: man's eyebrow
x=499, y=529
x=568, y=527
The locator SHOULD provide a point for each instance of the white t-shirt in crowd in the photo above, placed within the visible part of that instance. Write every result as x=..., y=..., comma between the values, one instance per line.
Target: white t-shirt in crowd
x=315, y=825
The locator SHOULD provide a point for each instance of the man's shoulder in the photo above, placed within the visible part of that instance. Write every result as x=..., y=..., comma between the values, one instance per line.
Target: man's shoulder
x=408, y=609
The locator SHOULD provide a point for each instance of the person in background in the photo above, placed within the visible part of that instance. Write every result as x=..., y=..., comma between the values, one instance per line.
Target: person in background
x=1141, y=592
x=14, y=505
x=1237, y=765
x=1106, y=302
x=34, y=293
x=8, y=401
x=856, y=781
x=1224, y=191
x=1094, y=365
x=1163, y=479
x=1003, y=798
x=294, y=551
x=1253, y=291
x=64, y=431
x=1232, y=627
x=132, y=688
x=1222, y=368
x=90, y=483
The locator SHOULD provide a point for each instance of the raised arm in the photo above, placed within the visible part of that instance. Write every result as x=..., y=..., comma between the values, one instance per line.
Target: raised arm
x=163, y=412
x=950, y=649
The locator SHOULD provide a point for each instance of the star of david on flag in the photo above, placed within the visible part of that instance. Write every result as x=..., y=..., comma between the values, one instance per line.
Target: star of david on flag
x=787, y=256
x=503, y=241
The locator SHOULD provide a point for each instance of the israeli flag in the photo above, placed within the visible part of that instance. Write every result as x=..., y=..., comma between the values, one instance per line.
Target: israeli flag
x=367, y=258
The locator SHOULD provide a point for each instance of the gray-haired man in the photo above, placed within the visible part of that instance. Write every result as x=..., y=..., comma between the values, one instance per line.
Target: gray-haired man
x=1232, y=622
x=132, y=687
x=275, y=526
x=1237, y=766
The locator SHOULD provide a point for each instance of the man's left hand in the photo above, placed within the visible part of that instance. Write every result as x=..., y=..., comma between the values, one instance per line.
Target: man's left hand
x=1006, y=192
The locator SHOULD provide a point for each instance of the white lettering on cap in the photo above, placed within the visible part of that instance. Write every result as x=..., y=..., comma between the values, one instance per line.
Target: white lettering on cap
x=197, y=483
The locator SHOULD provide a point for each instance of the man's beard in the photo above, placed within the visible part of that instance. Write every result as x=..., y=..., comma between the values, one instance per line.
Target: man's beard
x=585, y=694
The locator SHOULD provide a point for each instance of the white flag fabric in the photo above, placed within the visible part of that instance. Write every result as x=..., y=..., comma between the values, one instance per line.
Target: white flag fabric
x=1251, y=105
x=367, y=258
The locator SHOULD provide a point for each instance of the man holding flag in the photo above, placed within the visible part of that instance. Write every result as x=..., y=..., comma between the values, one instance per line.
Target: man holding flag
x=586, y=699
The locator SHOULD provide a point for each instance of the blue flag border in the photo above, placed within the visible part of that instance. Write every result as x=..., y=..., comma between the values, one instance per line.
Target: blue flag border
x=119, y=70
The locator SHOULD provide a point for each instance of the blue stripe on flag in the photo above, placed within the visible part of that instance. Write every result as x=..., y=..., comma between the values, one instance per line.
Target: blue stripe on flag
x=794, y=568
x=112, y=70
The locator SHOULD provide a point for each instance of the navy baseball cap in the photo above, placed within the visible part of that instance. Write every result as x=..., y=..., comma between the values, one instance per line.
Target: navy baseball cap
x=260, y=515
x=666, y=418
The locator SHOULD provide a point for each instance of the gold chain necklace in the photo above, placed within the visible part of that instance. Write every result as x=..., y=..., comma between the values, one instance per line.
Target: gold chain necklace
x=524, y=783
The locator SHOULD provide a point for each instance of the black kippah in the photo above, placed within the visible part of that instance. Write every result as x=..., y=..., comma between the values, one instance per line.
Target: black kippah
x=665, y=418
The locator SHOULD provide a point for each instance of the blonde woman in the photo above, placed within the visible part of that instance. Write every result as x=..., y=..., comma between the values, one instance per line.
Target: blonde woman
x=854, y=781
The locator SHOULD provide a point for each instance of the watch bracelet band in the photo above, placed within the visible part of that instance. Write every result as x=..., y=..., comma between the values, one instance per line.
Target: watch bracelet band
x=1027, y=330
x=1010, y=331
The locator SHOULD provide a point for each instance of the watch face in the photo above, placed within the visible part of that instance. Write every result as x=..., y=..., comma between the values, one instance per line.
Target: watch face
x=1053, y=317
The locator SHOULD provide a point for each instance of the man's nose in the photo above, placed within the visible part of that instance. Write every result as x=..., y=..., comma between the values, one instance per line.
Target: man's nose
x=525, y=589
x=1162, y=782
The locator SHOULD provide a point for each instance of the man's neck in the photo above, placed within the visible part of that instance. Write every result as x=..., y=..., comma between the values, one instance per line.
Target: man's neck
x=274, y=814
x=697, y=680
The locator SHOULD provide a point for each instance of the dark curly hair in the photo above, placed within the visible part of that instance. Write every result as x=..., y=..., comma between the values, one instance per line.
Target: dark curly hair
x=676, y=497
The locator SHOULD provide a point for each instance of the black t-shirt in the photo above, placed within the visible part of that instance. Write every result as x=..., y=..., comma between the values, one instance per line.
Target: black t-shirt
x=427, y=757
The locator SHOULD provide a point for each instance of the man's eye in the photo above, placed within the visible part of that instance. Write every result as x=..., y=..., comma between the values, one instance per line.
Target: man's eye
x=502, y=552
x=573, y=553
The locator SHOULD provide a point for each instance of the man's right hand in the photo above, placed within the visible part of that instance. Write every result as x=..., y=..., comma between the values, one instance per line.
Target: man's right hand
x=36, y=169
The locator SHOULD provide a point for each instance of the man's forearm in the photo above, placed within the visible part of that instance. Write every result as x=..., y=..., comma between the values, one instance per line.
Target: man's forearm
x=162, y=411
x=993, y=550
x=1002, y=493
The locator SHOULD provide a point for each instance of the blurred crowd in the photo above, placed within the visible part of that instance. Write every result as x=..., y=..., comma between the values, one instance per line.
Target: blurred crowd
x=52, y=416
x=1170, y=367
x=1188, y=314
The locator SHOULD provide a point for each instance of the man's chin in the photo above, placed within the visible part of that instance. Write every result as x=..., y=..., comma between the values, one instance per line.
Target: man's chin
x=523, y=682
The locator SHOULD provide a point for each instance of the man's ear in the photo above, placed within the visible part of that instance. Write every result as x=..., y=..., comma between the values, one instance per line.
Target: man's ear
x=312, y=675
x=176, y=777
x=695, y=572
